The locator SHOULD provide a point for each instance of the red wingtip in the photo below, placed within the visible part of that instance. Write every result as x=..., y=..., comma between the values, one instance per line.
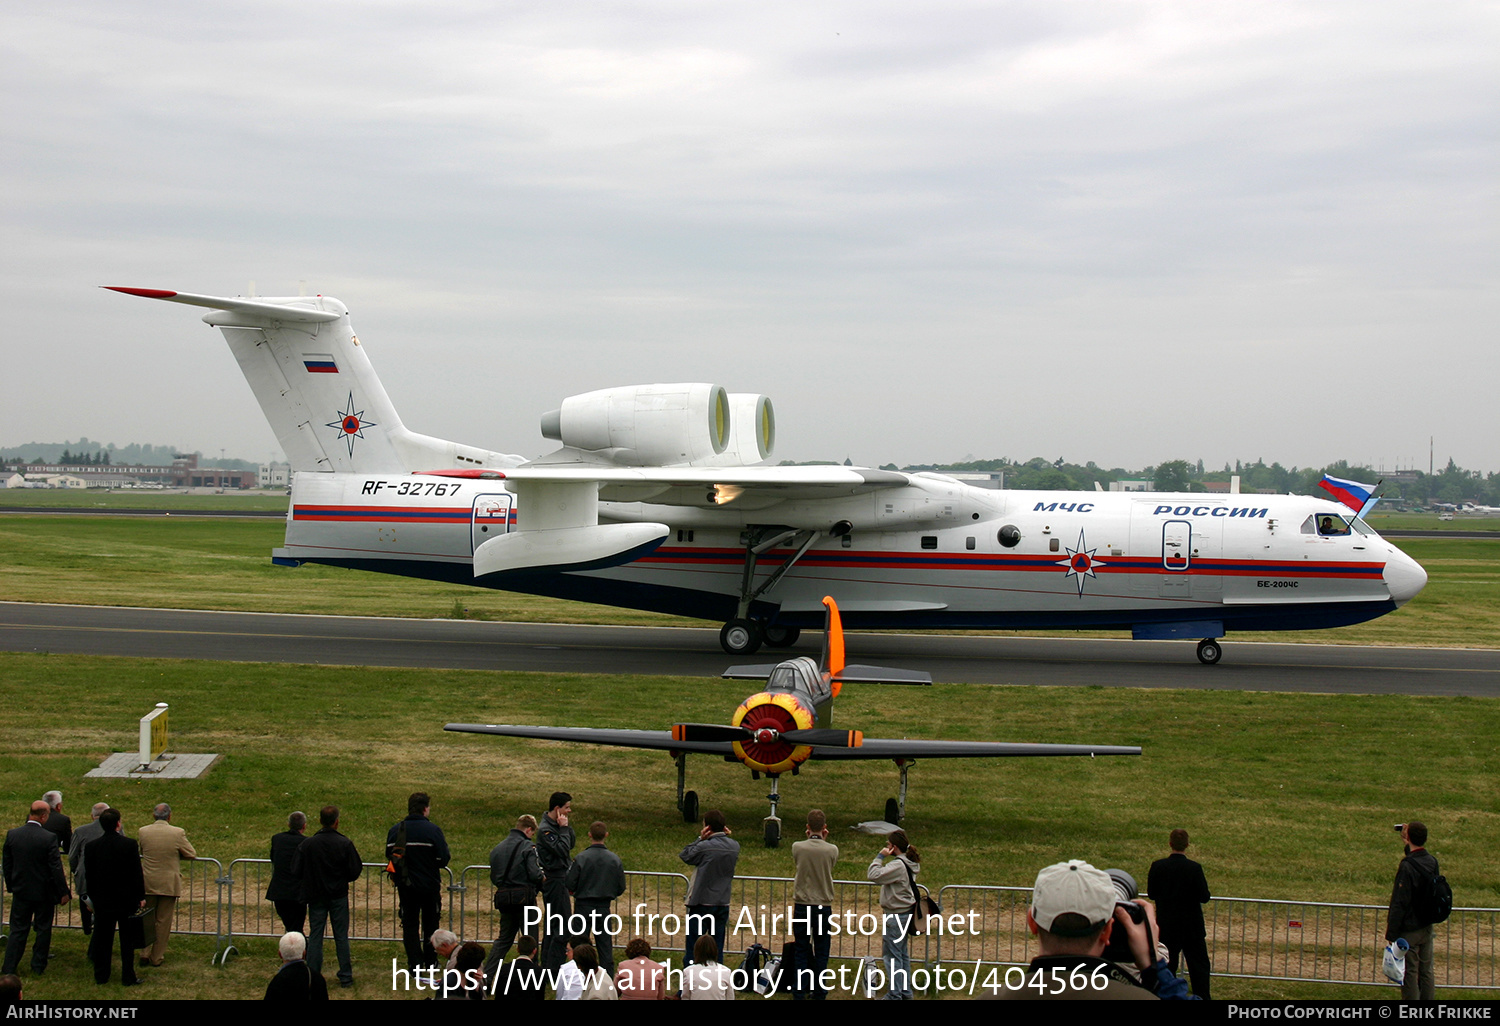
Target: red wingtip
x=148, y=293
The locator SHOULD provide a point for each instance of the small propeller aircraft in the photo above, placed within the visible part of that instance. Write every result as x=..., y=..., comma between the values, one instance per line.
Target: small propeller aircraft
x=776, y=730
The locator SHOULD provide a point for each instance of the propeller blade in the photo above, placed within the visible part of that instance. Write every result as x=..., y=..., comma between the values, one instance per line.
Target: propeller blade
x=825, y=738
x=708, y=732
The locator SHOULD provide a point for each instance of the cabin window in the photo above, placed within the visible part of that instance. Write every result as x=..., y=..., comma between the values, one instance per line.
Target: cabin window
x=847, y=541
x=1053, y=545
x=1010, y=536
x=968, y=543
x=929, y=541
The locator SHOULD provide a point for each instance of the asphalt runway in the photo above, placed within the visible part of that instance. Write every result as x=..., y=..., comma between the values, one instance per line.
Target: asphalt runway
x=462, y=644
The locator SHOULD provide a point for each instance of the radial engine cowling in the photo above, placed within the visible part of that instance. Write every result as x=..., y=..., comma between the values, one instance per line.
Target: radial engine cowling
x=645, y=425
x=768, y=714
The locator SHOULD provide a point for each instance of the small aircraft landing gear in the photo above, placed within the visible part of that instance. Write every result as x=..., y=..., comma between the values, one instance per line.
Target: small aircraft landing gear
x=687, y=801
x=895, y=808
x=740, y=637
x=781, y=637
x=773, y=821
x=1209, y=651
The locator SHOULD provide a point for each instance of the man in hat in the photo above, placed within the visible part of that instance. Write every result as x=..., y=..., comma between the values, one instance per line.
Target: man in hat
x=1073, y=913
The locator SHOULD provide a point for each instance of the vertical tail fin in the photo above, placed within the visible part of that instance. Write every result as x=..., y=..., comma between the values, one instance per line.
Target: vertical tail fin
x=832, y=662
x=318, y=389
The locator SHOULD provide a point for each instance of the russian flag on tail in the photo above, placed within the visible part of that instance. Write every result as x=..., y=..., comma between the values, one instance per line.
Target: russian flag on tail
x=1357, y=496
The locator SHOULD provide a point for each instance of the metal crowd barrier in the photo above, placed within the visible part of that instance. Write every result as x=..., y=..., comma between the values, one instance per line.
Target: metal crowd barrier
x=1253, y=938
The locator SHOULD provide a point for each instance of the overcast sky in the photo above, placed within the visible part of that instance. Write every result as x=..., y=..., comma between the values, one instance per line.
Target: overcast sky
x=1125, y=232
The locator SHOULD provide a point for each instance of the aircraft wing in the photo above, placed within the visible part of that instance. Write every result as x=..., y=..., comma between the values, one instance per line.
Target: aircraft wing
x=894, y=748
x=693, y=486
x=660, y=740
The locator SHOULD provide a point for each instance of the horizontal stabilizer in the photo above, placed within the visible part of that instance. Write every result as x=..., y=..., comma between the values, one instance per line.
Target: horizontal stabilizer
x=881, y=675
x=569, y=548
x=287, y=311
x=758, y=671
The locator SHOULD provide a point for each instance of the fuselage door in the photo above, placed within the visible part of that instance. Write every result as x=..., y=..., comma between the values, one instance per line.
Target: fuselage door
x=1176, y=544
x=491, y=517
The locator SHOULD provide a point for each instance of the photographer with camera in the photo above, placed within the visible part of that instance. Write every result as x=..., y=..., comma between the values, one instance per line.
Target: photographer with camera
x=1075, y=911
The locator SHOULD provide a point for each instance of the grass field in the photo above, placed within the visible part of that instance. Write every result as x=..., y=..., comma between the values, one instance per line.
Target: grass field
x=1287, y=795
x=205, y=563
x=132, y=498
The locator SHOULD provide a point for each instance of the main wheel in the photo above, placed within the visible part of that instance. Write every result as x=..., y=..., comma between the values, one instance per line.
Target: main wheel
x=892, y=811
x=1209, y=651
x=773, y=833
x=740, y=637
x=782, y=637
x=690, y=807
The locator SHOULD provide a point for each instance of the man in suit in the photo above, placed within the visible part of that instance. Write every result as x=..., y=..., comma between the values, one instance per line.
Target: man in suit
x=33, y=873
x=112, y=866
x=284, y=890
x=163, y=847
x=60, y=826
x=296, y=980
x=90, y=831
x=1177, y=885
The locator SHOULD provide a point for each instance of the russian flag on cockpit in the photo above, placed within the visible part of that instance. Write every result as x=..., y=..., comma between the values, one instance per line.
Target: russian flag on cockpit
x=319, y=363
x=1351, y=493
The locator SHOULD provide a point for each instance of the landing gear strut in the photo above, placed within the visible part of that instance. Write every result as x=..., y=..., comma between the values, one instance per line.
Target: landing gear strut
x=687, y=801
x=773, y=821
x=895, y=809
x=1209, y=651
x=742, y=635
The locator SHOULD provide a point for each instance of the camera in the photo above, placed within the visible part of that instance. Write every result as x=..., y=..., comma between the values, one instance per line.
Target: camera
x=1118, y=949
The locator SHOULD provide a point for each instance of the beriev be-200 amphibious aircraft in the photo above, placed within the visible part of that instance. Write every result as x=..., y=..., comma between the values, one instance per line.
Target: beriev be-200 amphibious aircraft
x=776, y=730
x=657, y=499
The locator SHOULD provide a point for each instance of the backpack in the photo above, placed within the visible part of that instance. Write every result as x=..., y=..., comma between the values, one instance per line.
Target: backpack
x=395, y=868
x=1432, y=898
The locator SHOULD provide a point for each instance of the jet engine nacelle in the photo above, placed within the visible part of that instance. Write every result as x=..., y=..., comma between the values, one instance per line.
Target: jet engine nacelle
x=752, y=438
x=692, y=424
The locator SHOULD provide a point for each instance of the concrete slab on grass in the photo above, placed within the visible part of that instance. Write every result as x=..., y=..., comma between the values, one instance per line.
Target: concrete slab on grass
x=174, y=766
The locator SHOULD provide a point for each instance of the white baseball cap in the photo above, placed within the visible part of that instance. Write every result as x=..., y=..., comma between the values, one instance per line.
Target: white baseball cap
x=1075, y=887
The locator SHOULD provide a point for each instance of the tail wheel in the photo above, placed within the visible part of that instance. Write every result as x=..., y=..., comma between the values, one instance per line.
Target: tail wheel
x=740, y=637
x=1209, y=651
x=892, y=811
x=690, y=807
x=782, y=637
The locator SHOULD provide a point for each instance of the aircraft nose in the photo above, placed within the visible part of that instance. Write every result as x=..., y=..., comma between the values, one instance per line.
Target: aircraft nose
x=1404, y=577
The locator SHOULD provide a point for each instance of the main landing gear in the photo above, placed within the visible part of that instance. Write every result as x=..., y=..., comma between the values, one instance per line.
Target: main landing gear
x=744, y=636
x=1209, y=651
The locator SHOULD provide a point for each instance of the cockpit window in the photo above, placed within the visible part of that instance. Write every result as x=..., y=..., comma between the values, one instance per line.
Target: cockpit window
x=783, y=678
x=1331, y=526
x=1362, y=527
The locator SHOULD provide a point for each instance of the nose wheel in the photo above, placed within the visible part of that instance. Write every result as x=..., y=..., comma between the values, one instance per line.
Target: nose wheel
x=1209, y=651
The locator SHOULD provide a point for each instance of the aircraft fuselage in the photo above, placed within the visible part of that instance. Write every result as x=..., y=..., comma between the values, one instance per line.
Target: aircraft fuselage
x=932, y=554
